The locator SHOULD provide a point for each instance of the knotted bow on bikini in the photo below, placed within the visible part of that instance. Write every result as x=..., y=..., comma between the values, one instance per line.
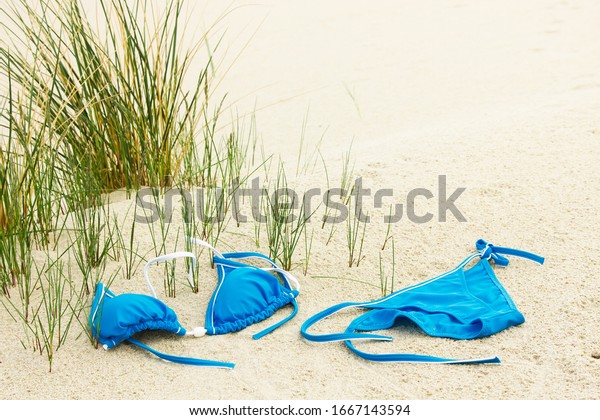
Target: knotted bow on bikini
x=461, y=304
x=488, y=250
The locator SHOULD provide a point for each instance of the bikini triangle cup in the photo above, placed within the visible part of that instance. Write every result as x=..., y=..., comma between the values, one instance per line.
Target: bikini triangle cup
x=459, y=304
x=244, y=295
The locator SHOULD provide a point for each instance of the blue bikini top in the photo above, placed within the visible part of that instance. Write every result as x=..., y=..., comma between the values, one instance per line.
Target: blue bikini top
x=244, y=295
x=460, y=304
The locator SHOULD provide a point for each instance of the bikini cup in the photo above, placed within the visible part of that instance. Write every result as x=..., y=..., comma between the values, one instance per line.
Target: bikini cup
x=247, y=294
x=460, y=304
x=116, y=318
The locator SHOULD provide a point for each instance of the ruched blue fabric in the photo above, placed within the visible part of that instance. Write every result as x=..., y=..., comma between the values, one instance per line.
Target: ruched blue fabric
x=116, y=318
x=246, y=295
x=120, y=317
x=460, y=304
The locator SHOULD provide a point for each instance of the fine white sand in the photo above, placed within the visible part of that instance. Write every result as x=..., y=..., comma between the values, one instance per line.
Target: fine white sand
x=501, y=97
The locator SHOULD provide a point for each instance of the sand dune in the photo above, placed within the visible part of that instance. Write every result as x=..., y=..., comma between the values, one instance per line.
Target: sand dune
x=501, y=98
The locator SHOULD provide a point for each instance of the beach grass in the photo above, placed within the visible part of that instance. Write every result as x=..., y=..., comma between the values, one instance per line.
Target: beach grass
x=286, y=220
x=356, y=229
x=90, y=108
x=386, y=280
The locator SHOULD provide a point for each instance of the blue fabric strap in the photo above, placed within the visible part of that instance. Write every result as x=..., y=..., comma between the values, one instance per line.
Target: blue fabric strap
x=273, y=327
x=489, y=250
x=183, y=360
x=416, y=358
x=325, y=338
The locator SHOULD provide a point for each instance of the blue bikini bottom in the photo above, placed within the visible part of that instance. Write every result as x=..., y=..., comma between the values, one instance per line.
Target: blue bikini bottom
x=461, y=304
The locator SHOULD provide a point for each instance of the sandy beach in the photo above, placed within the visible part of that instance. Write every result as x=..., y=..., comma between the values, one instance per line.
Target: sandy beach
x=501, y=98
